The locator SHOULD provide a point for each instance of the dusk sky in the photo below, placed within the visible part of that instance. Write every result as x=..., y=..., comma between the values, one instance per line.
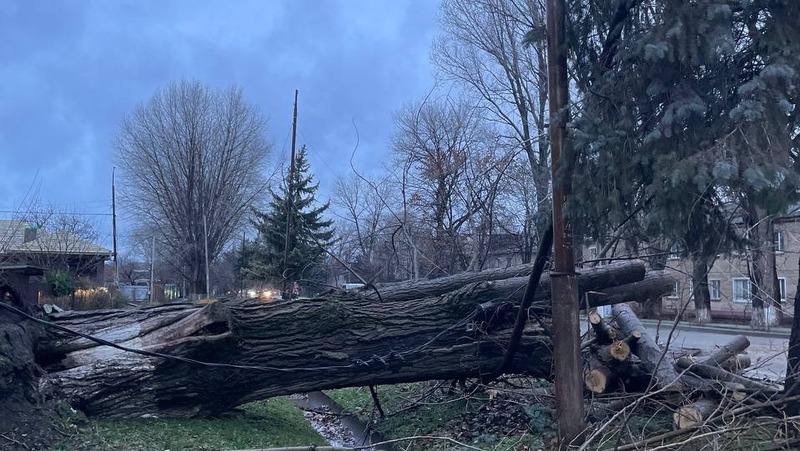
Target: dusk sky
x=71, y=70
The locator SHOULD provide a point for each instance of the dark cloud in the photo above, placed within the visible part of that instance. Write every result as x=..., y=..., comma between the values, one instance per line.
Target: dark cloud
x=71, y=70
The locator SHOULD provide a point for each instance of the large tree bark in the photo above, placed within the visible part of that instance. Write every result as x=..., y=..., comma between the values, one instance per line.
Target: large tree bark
x=765, y=291
x=303, y=345
x=514, y=278
x=702, y=296
x=792, y=384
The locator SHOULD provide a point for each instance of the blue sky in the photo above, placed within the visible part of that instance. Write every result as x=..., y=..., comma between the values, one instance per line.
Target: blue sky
x=71, y=70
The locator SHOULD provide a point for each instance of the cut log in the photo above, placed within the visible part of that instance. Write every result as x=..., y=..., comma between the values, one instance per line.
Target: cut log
x=632, y=340
x=618, y=351
x=727, y=351
x=719, y=374
x=737, y=364
x=597, y=377
x=279, y=348
x=649, y=352
x=604, y=333
x=694, y=414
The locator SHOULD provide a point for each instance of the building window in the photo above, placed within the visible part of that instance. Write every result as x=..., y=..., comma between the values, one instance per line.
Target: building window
x=741, y=290
x=778, y=241
x=713, y=289
x=676, y=289
x=782, y=285
x=674, y=252
x=593, y=252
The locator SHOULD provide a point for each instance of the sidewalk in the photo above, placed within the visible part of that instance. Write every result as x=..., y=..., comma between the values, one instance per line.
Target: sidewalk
x=714, y=328
x=720, y=328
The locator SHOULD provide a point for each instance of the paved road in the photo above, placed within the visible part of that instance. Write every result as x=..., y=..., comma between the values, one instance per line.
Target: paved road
x=768, y=353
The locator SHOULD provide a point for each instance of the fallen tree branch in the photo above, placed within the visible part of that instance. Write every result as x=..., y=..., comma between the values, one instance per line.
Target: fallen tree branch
x=545, y=247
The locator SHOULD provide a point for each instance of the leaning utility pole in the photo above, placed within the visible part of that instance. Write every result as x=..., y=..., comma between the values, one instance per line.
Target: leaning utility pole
x=114, y=227
x=290, y=197
x=564, y=287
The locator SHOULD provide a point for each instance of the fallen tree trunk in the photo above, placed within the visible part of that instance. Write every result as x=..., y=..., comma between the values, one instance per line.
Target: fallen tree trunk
x=260, y=350
x=515, y=277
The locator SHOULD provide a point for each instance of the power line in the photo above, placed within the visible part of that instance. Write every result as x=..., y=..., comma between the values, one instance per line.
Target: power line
x=73, y=213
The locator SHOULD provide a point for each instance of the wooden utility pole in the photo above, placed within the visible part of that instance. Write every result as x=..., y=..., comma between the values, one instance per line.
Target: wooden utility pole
x=114, y=226
x=242, y=264
x=152, y=268
x=290, y=196
x=205, y=251
x=566, y=326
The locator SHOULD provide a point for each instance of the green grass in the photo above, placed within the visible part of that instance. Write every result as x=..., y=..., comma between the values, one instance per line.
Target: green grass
x=422, y=420
x=440, y=418
x=262, y=424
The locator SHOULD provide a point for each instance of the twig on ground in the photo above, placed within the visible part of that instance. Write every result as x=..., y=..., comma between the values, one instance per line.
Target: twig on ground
x=14, y=441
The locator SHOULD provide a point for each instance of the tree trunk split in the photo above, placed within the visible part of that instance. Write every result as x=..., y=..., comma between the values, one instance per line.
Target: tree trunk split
x=304, y=345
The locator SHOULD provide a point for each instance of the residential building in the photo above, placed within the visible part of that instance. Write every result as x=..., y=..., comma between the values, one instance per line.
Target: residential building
x=729, y=278
x=28, y=251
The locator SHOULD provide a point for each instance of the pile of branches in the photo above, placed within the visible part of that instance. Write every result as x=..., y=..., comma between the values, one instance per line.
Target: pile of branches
x=710, y=399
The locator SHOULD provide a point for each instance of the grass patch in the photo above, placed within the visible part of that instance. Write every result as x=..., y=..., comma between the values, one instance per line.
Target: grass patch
x=438, y=415
x=422, y=420
x=276, y=422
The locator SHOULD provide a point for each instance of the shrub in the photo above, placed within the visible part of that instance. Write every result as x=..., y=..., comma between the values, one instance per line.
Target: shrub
x=59, y=283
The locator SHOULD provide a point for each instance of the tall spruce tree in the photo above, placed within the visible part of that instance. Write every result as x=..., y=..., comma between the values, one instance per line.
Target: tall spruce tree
x=309, y=232
x=663, y=132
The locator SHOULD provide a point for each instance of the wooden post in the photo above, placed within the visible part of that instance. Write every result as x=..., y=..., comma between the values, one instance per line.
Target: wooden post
x=566, y=326
x=114, y=227
x=152, y=268
x=205, y=252
x=287, y=290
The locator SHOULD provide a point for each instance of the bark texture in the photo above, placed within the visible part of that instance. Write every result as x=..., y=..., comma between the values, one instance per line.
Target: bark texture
x=304, y=345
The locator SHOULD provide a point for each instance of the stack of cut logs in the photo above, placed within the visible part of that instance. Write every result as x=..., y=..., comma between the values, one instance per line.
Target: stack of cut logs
x=620, y=355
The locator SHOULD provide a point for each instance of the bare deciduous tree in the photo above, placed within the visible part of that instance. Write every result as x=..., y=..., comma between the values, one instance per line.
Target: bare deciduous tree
x=362, y=212
x=436, y=139
x=192, y=152
x=483, y=48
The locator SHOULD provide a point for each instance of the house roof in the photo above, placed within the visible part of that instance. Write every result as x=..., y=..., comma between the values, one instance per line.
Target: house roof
x=12, y=240
x=29, y=270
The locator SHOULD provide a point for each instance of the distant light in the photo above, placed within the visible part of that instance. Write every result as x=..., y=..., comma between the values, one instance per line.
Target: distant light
x=252, y=293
